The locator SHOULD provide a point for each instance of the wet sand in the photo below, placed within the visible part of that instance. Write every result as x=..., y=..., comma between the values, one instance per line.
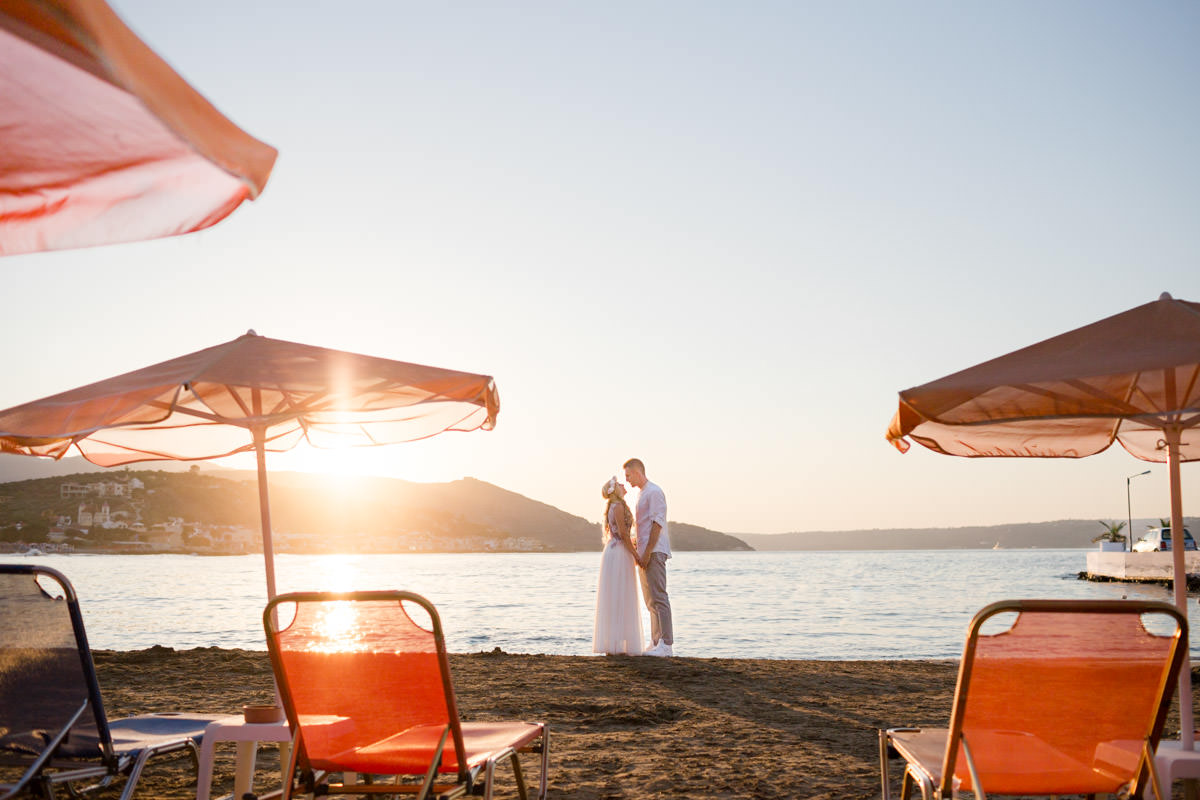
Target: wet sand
x=621, y=727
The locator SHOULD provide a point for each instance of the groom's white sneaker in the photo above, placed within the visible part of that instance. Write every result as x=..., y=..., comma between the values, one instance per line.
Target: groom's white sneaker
x=660, y=649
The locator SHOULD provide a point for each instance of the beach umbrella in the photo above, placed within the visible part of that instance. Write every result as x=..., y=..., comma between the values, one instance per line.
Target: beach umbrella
x=253, y=393
x=101, y=141
x=1132, y=378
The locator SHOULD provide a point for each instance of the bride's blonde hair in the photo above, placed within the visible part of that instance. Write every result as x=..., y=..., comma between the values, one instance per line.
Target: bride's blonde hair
x=609, y=493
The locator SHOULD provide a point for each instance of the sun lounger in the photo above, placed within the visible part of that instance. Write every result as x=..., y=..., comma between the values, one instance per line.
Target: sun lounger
x=366, y=685
x=53, y=729
x=1054, y=697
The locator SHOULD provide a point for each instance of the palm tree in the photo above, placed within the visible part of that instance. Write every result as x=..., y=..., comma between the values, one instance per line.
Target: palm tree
x=1112, y=532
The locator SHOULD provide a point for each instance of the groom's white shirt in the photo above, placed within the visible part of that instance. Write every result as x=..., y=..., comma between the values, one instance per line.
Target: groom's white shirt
x=651, y=508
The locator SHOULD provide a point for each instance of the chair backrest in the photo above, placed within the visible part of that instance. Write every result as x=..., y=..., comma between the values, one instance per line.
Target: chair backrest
x=47, y=678
x=375, y=660
x=1066, y=700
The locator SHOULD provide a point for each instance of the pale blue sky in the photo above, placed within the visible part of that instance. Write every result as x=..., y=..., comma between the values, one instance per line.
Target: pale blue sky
x=716, y=236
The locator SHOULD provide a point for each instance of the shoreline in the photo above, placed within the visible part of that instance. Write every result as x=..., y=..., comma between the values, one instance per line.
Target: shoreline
x=35, y=549
x=620, y=726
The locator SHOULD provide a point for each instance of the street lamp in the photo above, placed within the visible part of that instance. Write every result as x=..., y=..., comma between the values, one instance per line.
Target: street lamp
x=1128, y=512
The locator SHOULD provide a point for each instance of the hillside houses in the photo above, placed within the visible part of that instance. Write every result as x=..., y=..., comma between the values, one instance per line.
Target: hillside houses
x=109, y=517
x=124, y=488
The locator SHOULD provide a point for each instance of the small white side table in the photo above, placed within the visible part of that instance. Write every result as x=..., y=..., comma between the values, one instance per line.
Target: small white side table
x=247, y=735
x=1176, y=764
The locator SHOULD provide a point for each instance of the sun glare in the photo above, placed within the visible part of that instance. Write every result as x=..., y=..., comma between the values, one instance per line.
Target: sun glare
x=434, y=460
x=335, y=463
x=337, y=629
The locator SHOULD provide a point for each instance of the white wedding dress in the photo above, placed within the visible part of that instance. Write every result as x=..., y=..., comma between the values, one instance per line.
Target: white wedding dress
x=618, y=611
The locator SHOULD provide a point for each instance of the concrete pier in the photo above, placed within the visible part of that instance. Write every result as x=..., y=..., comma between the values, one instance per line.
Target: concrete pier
x=1139, y=567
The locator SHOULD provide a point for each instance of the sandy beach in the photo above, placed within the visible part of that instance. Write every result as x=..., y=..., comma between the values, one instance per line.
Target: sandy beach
x=620, y=727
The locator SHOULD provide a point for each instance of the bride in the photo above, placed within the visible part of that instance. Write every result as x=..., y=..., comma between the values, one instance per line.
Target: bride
x=618, y=613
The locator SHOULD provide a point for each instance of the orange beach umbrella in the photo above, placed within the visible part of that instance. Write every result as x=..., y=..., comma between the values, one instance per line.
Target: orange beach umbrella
x=1132, y=378
x=252, y=393
x=101, y=141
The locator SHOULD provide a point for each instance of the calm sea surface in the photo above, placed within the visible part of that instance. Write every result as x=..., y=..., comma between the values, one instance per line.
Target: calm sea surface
x=828, y=605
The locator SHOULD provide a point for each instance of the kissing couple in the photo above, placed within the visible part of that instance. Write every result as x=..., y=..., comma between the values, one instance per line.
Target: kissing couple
x=636, y=549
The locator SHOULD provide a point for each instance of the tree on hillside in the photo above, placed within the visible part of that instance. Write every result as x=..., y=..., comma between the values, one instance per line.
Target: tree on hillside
x=1112, y=532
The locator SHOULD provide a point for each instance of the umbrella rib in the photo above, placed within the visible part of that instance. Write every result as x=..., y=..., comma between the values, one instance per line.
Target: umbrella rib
x=1135, y=388
x=975, y=423
x=1120, y=409
x=270, y=418
x=1191, y=384
x=237, y=398
x=1124, y=406
x=312, y=403
x=191, y=412
x=276, y=414
x=302, y=406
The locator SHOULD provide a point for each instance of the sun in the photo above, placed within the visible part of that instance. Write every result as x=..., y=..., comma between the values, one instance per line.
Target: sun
x=342, y=463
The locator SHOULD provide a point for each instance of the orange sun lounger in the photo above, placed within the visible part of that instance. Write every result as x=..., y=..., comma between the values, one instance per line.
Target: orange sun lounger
x=366, y=685
x=1054, y=697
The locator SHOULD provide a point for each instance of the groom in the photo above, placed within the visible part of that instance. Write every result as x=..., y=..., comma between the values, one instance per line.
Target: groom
x=654, y=548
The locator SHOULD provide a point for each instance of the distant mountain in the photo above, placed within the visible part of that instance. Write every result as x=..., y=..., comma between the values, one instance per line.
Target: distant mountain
x=693, y=537
x=1059, y=533
x=23, y=468
x=481, y=506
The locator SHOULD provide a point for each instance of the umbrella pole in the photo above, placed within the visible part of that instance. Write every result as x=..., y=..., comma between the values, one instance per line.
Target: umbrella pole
x=1179, y=580
x=264, y=508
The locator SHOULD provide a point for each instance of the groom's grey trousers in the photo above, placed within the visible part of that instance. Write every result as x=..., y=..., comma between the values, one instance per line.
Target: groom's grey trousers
x=654, y=592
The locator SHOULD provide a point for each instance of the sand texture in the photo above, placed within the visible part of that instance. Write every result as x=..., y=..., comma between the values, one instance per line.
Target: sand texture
x=620, y=726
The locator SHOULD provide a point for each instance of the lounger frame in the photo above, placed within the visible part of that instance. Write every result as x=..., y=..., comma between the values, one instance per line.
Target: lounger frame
x=48, y=770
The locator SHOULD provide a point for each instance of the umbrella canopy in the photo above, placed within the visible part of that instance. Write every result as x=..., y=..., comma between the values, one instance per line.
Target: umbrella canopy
x=103, y=142
x=1127, y=378
x=1132, y=378
x=253, y=393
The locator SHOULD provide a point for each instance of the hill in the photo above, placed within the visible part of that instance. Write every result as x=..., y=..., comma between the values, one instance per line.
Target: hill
x=217, y=511
x=468, y=504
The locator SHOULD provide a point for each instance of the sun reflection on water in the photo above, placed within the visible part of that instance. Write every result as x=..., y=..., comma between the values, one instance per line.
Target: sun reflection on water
x=335, y=627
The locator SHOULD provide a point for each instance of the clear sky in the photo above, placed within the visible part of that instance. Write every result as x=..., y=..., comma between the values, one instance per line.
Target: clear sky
x=717, y=236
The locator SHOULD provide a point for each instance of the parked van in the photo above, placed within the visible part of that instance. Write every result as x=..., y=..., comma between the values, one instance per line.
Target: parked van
x=1157, y=539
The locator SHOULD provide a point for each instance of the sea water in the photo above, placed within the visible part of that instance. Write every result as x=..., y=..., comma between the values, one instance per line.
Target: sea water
x=811, y=605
